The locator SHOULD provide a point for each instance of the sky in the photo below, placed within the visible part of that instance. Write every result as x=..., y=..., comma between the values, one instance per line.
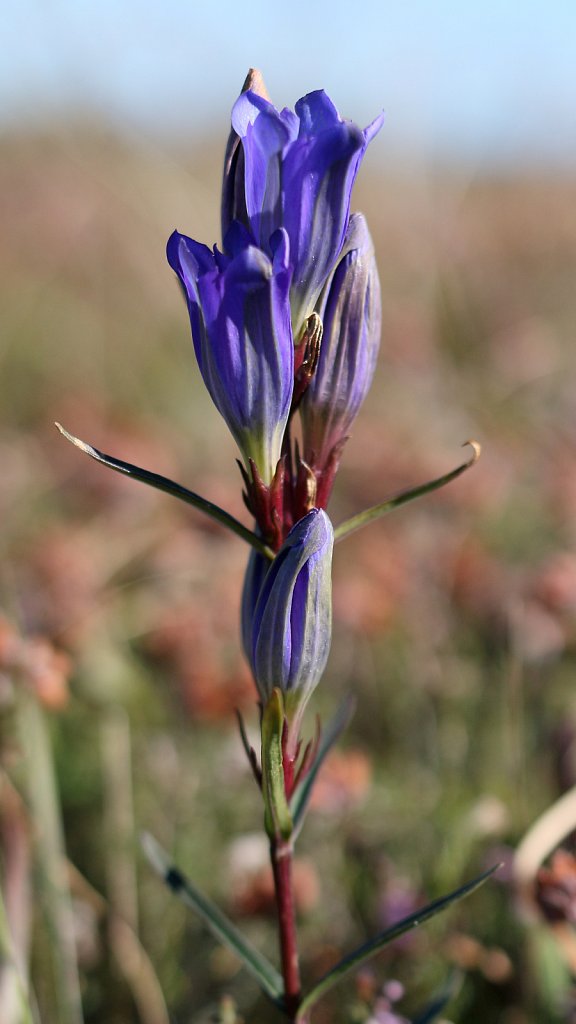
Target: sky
x=477, y=81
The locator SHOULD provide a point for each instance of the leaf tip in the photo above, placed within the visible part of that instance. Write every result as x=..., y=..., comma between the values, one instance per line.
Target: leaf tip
x=476, y=450
x=154, y=854
x=75, y=440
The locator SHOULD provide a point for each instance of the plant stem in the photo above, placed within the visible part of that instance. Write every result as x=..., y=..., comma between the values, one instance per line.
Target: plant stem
x=281, y=856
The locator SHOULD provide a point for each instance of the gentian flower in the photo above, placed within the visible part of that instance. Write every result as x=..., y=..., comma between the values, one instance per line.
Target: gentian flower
x=297, y=170
x=287, y=613
x=350, y=310
x=240, y=317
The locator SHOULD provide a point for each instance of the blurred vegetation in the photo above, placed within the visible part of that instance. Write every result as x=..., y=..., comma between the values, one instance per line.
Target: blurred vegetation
x=455, y=619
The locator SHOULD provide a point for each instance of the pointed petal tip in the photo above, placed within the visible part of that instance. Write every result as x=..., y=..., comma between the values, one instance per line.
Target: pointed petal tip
x=374, y=127
x=172, y=246
x=254, y=82
x=314, y=531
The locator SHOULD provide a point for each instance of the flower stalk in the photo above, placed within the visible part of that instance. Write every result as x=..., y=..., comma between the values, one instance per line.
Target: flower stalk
x=281, y=855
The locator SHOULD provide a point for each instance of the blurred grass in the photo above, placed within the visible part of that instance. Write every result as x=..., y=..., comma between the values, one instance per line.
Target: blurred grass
x=454, y=618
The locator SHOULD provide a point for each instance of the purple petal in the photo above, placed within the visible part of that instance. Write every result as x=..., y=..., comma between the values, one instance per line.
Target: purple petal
x=316, y=113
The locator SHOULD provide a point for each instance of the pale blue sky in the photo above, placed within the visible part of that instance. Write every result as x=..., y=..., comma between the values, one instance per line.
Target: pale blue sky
x=481, y=80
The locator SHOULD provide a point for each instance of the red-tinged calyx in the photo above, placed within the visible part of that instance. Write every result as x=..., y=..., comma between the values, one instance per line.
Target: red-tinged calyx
x=325, y=474
x=309, y=756
x=297, y=760
x=266, y=502
x=299, y=489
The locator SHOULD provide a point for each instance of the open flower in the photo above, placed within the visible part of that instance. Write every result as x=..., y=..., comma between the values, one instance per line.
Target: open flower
x=287, y=613
x=296, y=170
x=350, y=310
x=240, y=316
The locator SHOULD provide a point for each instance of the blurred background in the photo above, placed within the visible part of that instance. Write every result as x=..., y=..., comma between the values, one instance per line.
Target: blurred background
x=455, y=618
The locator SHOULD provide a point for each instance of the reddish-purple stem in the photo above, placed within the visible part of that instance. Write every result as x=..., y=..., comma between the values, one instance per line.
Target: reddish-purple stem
x=281, y=855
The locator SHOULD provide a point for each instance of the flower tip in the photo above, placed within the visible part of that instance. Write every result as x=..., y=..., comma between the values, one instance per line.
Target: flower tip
x=373, y=128
x=254, y=82
x=314, y=530
x=172, y=247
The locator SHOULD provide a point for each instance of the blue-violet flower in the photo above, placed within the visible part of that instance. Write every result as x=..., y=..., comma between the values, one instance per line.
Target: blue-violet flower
x=297, y=171
x=240, y=316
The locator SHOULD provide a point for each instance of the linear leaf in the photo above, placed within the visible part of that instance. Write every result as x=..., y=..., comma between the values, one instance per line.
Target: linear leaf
x=371, y=948
x=440, y=1000
x=162, y=483
x=334, y=729
x=221, y=927
x=403, y=497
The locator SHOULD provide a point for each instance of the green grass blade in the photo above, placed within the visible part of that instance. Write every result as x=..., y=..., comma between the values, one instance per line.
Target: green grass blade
x=334, y=729
x=431, y=1012
x=14, y=1000
x=377, y=511
x=371, y=948
x=221, y=927
x=162, y=483
x=56, y=900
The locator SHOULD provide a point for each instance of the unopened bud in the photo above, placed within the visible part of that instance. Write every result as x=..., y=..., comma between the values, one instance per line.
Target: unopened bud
x=351, y=312
x=290, y=628
x=233, y=198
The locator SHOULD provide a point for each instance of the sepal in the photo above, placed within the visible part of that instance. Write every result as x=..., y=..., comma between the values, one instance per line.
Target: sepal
x=277, y=817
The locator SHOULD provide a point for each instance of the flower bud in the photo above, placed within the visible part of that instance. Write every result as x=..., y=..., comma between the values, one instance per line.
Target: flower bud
x=288, y=623
x=240, y=318
x=351, y=314
x=233, y=199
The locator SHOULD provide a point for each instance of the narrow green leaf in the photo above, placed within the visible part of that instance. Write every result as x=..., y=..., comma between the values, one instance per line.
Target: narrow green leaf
x=161, y=483
x=332, y=732
x=371, y=948
x=221, y=927
x=278, y=820
x=431, y=1012
x=376, y=511
x=46, y=815
x=438, y=1003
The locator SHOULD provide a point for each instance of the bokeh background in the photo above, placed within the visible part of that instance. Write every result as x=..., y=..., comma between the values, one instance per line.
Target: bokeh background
x=120, y=665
